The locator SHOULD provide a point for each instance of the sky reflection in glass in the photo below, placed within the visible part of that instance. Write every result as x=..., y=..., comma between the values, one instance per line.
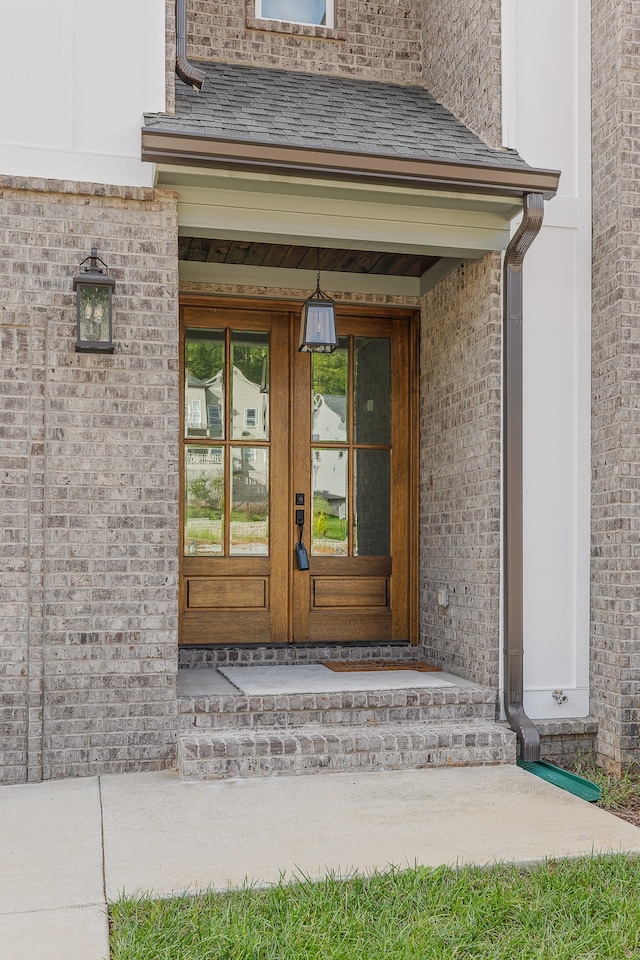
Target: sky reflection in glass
x=296, y=11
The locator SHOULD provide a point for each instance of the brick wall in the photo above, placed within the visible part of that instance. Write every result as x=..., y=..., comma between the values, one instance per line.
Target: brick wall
x=380, y=41
x=170, y=55
x=567, y=741
x=615, y=568
x=460, y=377
x=90, y=485
x=21, y=490
x=467, y=79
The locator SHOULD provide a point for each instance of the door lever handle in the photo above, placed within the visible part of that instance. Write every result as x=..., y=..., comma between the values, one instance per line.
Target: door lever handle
x=302, y=557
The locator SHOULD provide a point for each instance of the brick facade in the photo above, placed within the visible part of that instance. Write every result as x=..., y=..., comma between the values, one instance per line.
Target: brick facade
x=460, y=374
x=170, y=55
x=21, y=474
x=467, y=79
x=460, y=377
x=90, y=485
x=379, y=41
x=615, y=567
x=89, y=444
x=565, y=741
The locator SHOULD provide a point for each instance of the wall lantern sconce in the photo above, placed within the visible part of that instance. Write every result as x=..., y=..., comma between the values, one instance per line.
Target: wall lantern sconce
x=94, y=288
x=318, y=332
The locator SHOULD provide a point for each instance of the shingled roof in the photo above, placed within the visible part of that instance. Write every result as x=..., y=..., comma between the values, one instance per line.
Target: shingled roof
x=262, y=105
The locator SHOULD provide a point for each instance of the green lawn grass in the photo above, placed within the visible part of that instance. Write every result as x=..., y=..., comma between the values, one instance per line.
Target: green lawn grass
x=585, y=909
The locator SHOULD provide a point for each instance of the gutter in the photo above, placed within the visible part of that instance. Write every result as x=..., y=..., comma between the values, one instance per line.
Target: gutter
x=526, y=730
x=187, y=73
x=185, y=148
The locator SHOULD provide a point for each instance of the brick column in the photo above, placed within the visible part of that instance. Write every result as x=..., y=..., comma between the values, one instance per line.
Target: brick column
x=460, y=374
x=615, y=571
x=88, y=656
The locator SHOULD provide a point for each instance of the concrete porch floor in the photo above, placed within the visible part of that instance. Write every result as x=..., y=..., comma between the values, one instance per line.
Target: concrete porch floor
x=208, y=681
x=70, y=846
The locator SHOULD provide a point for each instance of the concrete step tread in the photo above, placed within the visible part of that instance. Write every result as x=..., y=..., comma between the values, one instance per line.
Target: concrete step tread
x=403, y=697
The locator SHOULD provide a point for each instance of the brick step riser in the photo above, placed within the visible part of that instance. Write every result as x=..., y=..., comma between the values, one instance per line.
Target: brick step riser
x=307, y=758
x=265, y=656
x=203, y=720
x=338, y=763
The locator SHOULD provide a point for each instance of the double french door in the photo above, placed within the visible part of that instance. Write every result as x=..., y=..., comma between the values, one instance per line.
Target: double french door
x=284, y=450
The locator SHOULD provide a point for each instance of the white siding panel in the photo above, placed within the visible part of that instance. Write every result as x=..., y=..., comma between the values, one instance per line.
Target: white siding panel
x=547, y=58
x=546, y=116
x=75, y=103
x=37, y=41
x=549, y=335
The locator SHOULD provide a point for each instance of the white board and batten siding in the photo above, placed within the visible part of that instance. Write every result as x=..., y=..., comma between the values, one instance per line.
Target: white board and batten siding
x=76, y=79
x=546, y=116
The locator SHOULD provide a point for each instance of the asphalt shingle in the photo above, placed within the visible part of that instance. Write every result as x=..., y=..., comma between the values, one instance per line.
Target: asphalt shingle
x=324, y=112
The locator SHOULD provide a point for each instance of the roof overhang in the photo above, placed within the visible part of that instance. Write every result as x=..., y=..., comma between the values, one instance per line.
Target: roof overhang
x=163, y=146
x=281, y=194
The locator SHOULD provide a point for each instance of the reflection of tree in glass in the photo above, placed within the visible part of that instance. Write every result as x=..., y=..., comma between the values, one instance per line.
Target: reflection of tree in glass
x=204, y=360
x=206, y=494
x=330, y=372
x=320, y=516
x=249, y=360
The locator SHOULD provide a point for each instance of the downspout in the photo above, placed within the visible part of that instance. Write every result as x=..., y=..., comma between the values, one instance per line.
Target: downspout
x=526, y=730
x=187, y=73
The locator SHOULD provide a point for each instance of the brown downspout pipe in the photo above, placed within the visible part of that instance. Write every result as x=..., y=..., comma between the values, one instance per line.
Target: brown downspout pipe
x=528, y=736
x=187, y=73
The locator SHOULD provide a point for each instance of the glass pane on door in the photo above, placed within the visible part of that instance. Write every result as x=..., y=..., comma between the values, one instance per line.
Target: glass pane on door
x=249, y=526
x=329, y=394
x=372, y=503
x=250, y=385
x=204, y=384
x=330, y=502
x=372, y=389
x=204, y=501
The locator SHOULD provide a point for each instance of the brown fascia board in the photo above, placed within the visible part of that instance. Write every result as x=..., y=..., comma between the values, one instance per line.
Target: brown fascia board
x=165, y=146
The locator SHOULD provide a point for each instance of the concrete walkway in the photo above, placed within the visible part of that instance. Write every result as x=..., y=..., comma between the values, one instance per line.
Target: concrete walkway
x=67, y=847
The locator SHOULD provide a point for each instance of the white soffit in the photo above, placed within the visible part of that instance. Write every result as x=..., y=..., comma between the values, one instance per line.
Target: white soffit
x=235, y=205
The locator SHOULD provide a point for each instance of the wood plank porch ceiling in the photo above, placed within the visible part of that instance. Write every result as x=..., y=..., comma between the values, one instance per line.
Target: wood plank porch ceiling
x=206, y=250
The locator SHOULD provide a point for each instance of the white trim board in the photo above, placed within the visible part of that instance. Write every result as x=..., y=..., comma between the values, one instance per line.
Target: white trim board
x=276, y=278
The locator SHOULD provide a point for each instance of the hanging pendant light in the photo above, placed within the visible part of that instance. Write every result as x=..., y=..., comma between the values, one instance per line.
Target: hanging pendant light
x=318, y=332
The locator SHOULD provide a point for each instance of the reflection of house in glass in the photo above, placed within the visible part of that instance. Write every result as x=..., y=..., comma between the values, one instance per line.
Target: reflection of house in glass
x=204, y=407
x=329, y=472
x=330, y=479
x=207, y=483
x=330, y=465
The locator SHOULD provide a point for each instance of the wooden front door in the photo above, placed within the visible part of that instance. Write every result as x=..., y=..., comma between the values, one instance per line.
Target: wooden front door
x=273, y=437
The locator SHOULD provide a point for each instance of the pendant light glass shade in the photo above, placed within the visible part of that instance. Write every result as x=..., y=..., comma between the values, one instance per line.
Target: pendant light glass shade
x=318, y=331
